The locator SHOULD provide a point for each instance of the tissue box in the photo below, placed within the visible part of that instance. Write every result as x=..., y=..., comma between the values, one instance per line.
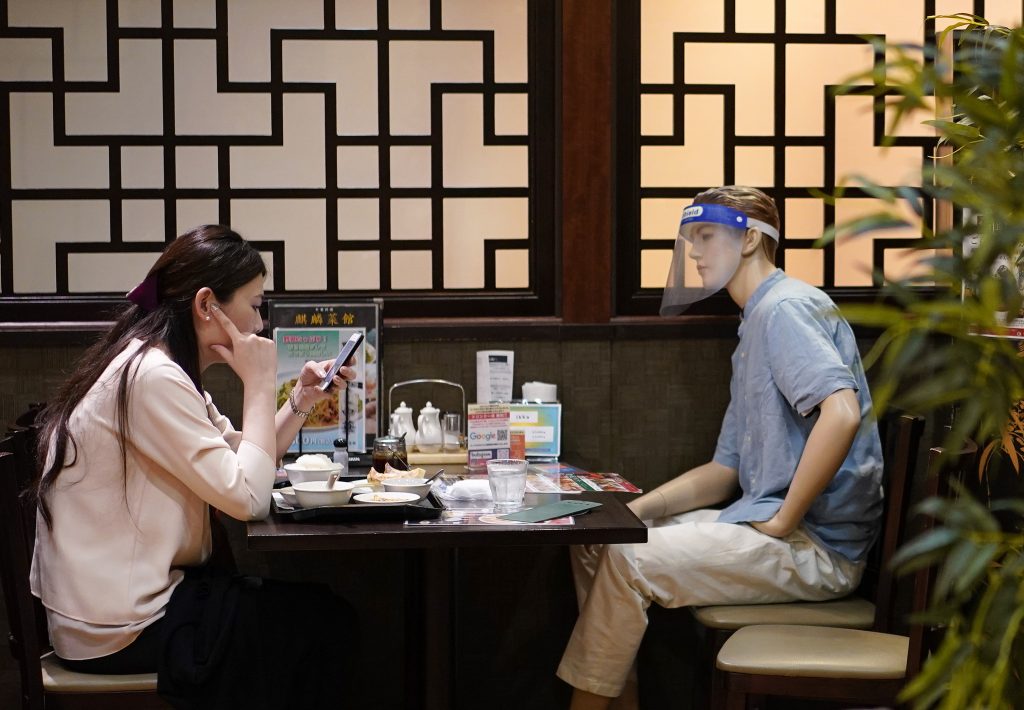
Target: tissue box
x=541, y=425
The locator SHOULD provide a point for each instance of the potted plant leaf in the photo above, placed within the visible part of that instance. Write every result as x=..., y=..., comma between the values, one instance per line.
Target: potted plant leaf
x=936, y=354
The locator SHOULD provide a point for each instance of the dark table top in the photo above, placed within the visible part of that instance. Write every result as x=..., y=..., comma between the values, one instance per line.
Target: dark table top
x=613, y=522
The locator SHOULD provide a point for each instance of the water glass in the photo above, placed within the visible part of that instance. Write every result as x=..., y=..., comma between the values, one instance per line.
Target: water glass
x=451, y=428
x=507, y=478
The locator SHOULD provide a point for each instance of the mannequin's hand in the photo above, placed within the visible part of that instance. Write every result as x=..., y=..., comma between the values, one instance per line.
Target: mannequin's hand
x=307, y=390
x=648, y=507
x=774, y=527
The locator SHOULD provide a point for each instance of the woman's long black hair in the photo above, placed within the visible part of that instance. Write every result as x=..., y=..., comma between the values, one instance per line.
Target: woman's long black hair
x=213, y=256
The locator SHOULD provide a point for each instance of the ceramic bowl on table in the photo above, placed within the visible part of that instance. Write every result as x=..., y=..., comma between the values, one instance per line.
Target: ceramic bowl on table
x=419, y=486
x=364, y=486
x=313, y=494
x=301, y=474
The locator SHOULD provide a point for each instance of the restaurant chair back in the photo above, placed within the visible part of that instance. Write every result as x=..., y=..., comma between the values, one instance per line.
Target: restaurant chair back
x=29, y=417
x=852, y=665
x=45, y=683
x=901, y=439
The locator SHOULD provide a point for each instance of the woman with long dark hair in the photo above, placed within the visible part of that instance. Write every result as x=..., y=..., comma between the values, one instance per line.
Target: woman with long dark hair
x=133, y=453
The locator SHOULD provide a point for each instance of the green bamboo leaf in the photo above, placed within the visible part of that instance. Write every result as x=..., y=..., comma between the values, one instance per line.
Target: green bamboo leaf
x=957, y=562
x=936, y=672
x=913, y=199
x=829, y=198
x=957, y=132
x=862, y=225
x=929, y=357
x=872, y=188
x=935, y=507
x=975, y=568
x=976, y=514
x=1013, y=505
x=937, y=539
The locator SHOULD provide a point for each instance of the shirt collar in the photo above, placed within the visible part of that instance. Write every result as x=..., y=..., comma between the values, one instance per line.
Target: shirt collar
x=759, y=293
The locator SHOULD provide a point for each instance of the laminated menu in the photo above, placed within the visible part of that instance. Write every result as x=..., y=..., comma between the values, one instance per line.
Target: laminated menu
x=316, y=331
x=565, y=478
x=540, y=478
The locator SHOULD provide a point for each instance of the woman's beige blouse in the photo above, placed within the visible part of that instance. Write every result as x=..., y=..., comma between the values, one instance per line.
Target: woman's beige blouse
x=106, y=569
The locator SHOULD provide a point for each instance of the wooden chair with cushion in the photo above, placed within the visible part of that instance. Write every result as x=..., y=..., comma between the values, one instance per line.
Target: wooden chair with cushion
x=45, y=683
x=840, y=664
x=901, y=435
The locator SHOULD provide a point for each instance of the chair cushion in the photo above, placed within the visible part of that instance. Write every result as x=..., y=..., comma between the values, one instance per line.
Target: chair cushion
x=850, y=613
x=814, y=651
x=58, y=679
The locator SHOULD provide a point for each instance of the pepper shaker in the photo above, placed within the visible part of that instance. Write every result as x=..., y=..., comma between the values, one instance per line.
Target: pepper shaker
x=341, y=455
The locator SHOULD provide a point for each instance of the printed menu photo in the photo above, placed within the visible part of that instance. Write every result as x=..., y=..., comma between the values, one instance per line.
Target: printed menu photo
x=317, y=332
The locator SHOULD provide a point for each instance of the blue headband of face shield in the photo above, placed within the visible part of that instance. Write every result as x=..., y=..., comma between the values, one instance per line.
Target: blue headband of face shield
x=720, y=214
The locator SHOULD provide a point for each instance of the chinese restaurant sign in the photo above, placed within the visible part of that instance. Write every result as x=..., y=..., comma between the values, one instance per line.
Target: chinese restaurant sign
x=316, y=331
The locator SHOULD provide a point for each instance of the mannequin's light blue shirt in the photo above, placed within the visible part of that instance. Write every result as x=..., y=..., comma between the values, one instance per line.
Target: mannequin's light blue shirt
x=794, y=351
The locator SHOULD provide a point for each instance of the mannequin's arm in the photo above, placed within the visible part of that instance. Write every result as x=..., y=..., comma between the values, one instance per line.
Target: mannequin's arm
x=699, y=487
x=826, y=447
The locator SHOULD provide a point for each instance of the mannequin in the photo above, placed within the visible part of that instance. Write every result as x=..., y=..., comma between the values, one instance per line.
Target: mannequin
x=800, y=529
x=829, y=442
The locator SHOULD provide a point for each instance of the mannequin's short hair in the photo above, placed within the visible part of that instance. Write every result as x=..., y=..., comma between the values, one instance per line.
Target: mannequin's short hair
x=750, y=201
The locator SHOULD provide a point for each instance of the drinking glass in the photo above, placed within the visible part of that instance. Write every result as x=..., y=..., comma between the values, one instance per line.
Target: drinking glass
x=451, y=429
x=507, y=478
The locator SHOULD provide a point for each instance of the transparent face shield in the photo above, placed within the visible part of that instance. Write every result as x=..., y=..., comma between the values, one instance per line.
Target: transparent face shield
x=707, y=253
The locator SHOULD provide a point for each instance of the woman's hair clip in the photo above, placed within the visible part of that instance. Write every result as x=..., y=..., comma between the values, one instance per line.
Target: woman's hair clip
x=145, y=294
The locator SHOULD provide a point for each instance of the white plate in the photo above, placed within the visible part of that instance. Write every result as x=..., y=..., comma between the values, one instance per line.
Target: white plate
x=361, y=486
x=386, y=497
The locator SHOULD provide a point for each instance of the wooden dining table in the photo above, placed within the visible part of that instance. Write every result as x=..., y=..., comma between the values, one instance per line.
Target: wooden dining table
x=431, y=553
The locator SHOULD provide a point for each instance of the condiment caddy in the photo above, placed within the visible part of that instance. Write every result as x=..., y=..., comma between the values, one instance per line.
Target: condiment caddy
x=430, y=442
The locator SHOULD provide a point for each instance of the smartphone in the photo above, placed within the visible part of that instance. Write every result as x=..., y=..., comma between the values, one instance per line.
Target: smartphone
x=346, y=352
x=551, y=511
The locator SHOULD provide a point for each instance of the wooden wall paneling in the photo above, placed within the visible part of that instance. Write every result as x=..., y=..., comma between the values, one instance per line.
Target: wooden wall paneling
x=586, y=160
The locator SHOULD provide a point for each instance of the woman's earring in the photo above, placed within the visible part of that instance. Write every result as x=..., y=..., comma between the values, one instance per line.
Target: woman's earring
x=207, y=317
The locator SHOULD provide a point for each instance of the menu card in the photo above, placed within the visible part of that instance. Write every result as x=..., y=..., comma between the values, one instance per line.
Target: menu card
x=332, y=416
x=564, y=478
x=494, y=375
x=541, y=478
x=315, y=331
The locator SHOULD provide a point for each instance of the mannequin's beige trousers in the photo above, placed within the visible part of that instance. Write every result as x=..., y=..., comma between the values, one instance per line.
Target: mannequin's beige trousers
x=688, y=560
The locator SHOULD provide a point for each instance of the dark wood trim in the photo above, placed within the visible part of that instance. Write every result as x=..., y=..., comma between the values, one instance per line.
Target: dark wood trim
x=56, y=320
x=586, y=160
x=416, y=330
x=862, y=691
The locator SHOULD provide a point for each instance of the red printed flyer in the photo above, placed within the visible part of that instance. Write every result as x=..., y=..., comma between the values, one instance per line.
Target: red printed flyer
x=486, y=433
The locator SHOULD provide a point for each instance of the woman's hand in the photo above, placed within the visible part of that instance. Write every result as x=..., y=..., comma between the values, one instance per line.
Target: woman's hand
x=307, y=391
x=254, y=359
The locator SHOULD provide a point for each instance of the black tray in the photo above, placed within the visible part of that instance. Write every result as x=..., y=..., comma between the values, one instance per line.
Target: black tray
x=423, y=509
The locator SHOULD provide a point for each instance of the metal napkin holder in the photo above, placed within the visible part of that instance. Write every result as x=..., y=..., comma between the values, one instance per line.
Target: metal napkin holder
x=429, y=381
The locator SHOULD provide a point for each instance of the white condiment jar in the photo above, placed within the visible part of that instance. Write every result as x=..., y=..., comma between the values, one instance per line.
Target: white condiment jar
x=401, y=422
x=428, y=431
